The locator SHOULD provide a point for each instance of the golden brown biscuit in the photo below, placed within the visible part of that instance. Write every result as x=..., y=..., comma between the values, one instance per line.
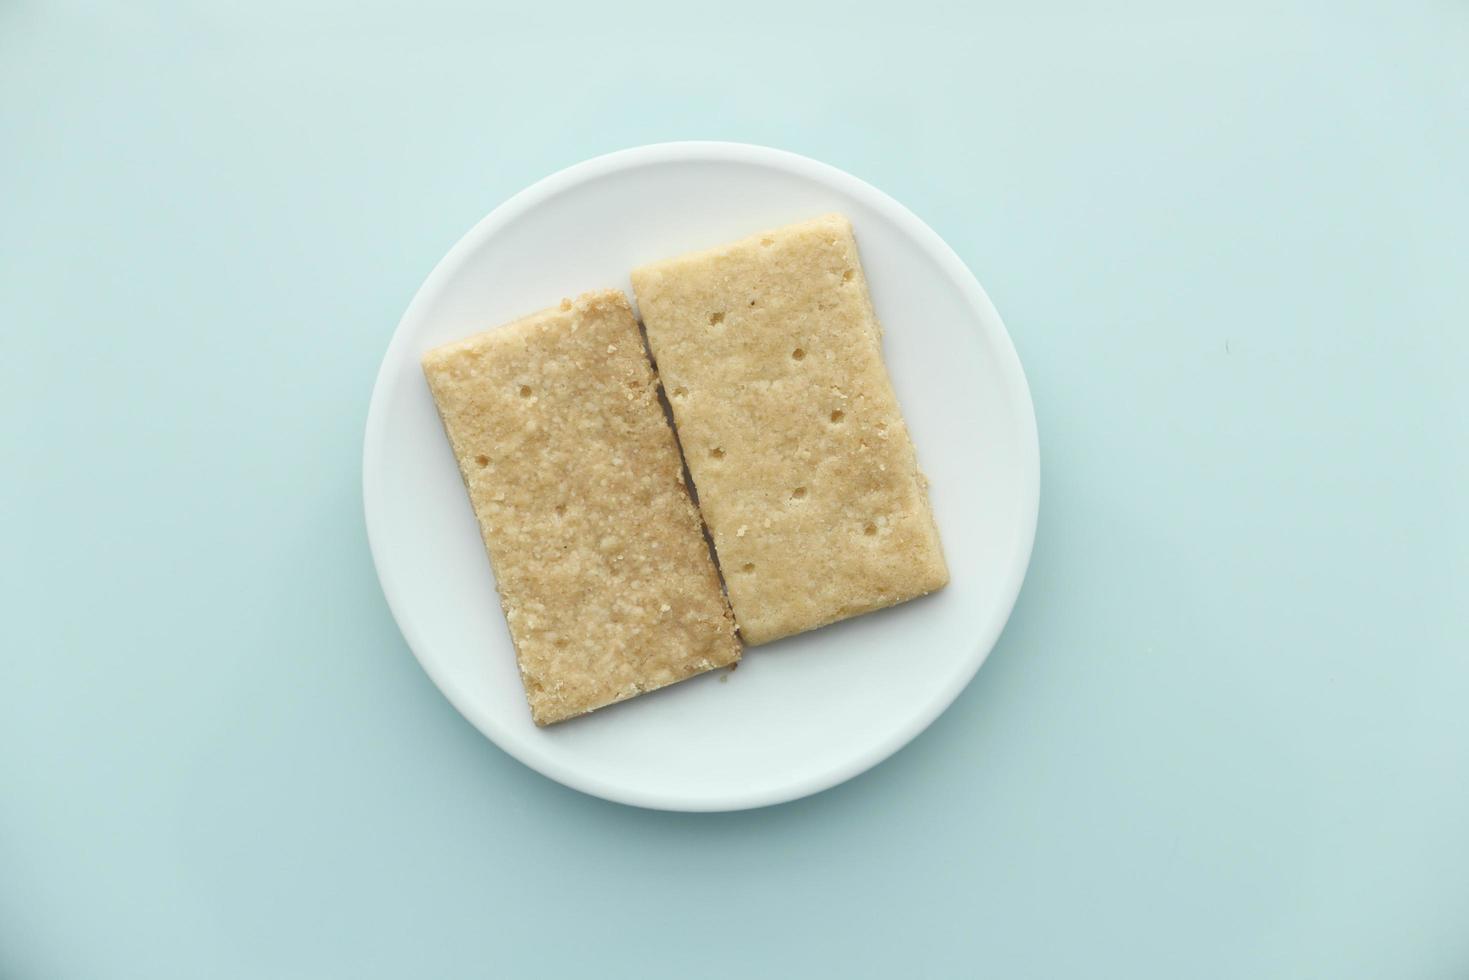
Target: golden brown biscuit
x=771, y=356
x=599, y=557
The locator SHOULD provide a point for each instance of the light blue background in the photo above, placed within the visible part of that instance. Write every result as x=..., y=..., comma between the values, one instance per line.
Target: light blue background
x=1226, y=733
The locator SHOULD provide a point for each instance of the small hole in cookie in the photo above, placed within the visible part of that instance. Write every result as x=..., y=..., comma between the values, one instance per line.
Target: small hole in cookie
x=752, y=302
x=798, y=354
x=560, y=510
x=847, y=276
x=716, y=453
x=680, y=391
x=715, y=319
x=748, y=566
x=482, y=459
x=837, y=415
x=525, y=391
x=870, y=530
x=799, y=493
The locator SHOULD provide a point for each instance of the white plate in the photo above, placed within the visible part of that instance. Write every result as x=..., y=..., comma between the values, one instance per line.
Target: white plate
x=799, y=715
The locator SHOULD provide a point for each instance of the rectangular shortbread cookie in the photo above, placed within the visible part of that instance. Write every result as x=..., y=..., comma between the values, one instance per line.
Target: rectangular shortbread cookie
x=770, y=354
x=599, y=557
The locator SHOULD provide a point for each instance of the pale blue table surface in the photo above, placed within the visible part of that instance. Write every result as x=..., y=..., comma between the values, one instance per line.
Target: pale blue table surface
x=1226, y=733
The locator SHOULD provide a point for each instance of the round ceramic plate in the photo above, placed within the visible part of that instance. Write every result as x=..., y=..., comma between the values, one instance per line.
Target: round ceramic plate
x=799, y=715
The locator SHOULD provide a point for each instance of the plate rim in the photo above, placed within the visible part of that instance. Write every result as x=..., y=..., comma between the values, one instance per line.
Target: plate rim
x=1028, y=449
